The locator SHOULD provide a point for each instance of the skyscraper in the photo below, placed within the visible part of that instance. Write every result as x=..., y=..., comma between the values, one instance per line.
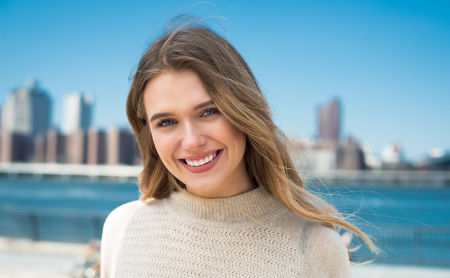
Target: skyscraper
x=77, y=113
x=27, y=111
x=329, y=122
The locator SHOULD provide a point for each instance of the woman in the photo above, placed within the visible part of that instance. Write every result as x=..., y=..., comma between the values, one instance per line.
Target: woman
x=220, y=194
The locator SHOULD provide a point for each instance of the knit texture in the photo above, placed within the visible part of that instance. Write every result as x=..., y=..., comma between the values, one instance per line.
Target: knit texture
x=249, y=235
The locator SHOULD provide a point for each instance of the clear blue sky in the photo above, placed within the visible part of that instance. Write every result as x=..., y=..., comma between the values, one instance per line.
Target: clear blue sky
x=387, y=61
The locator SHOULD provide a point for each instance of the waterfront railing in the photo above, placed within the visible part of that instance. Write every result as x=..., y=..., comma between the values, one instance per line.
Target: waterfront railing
x=131, y=173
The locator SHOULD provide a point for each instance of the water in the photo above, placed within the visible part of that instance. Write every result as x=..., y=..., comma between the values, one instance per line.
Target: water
x=411, y=224
x=58, y=210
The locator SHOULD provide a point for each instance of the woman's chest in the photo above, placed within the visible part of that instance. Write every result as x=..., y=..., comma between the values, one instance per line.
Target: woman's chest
x=169, y=247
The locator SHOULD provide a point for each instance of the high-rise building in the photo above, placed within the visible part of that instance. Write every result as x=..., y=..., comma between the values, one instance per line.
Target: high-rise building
x=96, y=145
x=77, y=113
x=329, y=122
x=76, y=147
x=55, y=147
x=121, y=147
x=15, y=147
x=40, y=148
x=27, y=111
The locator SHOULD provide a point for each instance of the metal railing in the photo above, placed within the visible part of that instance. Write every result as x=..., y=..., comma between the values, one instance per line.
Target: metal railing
x=64, y=225
x=131, y=172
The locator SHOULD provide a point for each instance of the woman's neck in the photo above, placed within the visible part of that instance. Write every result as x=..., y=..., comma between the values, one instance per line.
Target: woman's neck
x=257, y=203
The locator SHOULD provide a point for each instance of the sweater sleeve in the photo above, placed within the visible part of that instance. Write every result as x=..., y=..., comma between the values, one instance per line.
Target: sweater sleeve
x=327, y=254
x=112, y=237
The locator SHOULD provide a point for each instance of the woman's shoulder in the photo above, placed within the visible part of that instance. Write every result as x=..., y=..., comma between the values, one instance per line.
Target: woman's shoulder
x=324, y=245
x=122, y=214
x=114, y=230
x=307, y=231
x=318, y=244
x=323, y=239
x=117, y=220
x=124, y=211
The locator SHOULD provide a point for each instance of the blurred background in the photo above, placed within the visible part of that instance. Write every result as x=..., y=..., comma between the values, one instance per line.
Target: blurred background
x=361, y=88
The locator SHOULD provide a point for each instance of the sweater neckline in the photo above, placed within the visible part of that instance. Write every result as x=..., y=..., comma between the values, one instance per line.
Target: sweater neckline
x=257, y=203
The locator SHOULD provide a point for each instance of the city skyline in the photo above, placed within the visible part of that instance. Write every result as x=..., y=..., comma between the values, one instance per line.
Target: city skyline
x=387, y=62
x=76, y=141
x=27, y=136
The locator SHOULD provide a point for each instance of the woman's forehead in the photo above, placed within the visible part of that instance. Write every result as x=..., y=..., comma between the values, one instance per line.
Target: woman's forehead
x=175, y=90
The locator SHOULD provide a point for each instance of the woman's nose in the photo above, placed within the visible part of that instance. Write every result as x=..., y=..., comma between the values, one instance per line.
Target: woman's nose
x=192, y=137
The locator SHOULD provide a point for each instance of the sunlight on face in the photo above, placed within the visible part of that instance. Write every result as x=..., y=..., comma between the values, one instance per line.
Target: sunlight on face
x=193, y=139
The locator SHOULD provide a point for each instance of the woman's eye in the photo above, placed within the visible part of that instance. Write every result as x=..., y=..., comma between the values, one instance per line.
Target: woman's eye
x=209, y=112
x=167, y=122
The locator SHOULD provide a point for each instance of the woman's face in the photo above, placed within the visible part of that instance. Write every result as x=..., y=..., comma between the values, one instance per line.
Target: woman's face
x=193, y=139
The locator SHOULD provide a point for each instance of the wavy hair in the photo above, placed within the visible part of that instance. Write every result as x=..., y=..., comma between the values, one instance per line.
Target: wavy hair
x=234, y=90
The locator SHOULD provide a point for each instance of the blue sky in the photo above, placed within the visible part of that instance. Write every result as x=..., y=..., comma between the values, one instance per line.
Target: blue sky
x=387, y=61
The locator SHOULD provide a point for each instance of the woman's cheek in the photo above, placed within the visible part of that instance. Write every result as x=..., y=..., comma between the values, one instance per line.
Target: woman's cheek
x=163, y=147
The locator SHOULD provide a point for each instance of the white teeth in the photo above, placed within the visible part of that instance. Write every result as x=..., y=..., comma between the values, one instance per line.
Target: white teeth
x=201, y=161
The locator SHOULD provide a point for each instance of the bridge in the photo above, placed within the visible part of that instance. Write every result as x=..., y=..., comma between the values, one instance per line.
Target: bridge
x=131, y=172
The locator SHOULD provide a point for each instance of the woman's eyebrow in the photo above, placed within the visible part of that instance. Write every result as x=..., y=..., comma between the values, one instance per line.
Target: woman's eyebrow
x=165, y=114
x=201, y=105
x=160, y=115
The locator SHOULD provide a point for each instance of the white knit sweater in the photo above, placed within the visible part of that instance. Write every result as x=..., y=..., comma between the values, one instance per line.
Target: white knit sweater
x=181, y=236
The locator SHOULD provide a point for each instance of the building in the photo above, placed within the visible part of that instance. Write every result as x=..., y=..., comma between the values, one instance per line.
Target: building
x=435, y=162
x=40, y=148
x=329, y=153
x=393, y=158
x=77, y=113
x=15, y=147
x=392, y=154
x=350, y=156
x=76, y=147
x=96, y=145
x=121, y=147
x=27, y=111
x=371, y=160
x=329, y=123
x=319, y=157
x=55, y=147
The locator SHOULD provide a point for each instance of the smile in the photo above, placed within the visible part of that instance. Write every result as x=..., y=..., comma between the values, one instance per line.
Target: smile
x=202, y=162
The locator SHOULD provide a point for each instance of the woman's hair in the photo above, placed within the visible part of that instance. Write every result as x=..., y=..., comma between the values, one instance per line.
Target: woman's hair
x=235, y=92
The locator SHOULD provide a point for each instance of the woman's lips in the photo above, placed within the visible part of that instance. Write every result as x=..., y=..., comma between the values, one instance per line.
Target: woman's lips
x=202, y=168
x=199, y=156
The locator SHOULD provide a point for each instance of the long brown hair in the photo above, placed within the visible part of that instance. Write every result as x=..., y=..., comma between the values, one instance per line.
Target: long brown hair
x=234, y=90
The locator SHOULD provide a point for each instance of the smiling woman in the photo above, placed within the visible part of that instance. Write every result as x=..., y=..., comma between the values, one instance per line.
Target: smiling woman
x=194, y=141
x=220, y=193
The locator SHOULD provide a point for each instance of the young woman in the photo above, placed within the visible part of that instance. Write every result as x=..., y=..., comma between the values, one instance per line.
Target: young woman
x=220, y=194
